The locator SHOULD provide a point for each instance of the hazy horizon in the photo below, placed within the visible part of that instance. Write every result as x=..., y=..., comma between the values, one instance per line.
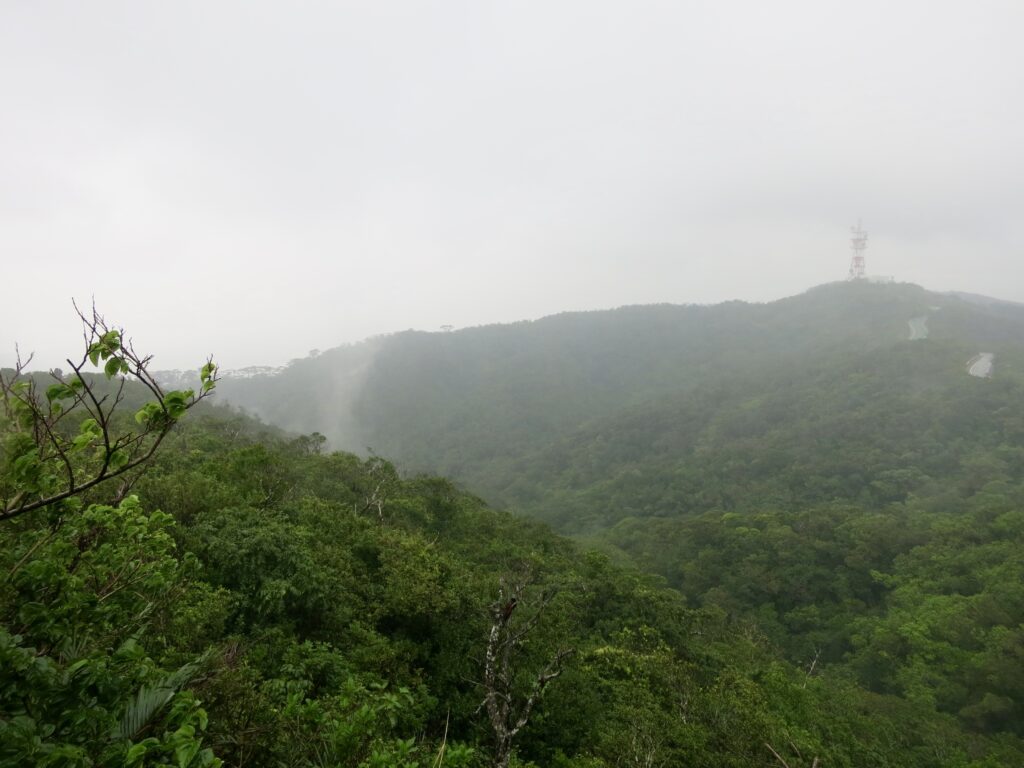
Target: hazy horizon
x=157, y=366
x=257, y=180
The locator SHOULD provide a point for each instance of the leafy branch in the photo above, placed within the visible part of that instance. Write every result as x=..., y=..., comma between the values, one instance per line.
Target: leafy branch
x=66, y=439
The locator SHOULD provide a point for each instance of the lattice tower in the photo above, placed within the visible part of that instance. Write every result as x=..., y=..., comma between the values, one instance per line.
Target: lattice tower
x=859, y=244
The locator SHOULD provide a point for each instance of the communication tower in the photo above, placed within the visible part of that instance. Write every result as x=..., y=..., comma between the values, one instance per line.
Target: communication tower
x=859, y=244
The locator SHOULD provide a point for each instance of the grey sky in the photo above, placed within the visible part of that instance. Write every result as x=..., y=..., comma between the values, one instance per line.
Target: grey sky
x=258, y=179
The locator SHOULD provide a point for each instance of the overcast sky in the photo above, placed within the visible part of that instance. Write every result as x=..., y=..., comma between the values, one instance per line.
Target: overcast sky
x=257, y=179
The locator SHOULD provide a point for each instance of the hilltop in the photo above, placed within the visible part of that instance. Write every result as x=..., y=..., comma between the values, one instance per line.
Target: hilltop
x=581, y=398
x=825, y=492
x=825, y=466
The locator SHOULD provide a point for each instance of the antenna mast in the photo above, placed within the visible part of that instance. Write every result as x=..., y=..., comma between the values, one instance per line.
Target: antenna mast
x=859, y=244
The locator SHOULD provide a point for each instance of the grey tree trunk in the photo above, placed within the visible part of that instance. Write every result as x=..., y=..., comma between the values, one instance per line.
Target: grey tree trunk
x=507, y=716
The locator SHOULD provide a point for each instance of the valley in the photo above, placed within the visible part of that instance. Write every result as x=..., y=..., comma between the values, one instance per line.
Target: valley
x=724, y=535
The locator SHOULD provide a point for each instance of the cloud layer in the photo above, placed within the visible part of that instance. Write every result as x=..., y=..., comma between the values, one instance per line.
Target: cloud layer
x=259, y=179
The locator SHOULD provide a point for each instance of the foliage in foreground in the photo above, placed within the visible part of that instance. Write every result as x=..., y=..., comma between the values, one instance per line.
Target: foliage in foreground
x=253, y=601
x=83, y=581
x=339, y=615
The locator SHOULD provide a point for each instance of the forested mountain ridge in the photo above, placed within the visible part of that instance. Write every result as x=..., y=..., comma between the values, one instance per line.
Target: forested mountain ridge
x=842, y=543
x=498, y=406
x=803, y=464
x=292, y=607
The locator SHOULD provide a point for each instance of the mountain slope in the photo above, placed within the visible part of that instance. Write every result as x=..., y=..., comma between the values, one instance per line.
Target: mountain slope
x=499, y=405
x=803, y=465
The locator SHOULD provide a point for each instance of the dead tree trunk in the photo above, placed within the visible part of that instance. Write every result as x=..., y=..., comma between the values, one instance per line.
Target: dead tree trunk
x=508, y=711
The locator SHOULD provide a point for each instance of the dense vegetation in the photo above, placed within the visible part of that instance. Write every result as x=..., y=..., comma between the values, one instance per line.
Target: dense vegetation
x=802, y=465
x=834, y=540
x=571, y=402
x=288, y=607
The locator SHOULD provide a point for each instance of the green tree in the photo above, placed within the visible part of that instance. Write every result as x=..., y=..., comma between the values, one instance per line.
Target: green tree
x=82, y=581
x=63, y=441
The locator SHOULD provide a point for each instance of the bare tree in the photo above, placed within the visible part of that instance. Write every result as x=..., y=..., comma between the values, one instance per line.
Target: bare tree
x=816, y=763
x=812, y=666
x=381, y=481
x=508, y=711
x=645, y=746
x=55, y=456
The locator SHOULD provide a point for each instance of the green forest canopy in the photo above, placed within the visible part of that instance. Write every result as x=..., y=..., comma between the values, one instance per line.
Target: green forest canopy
x=836, y=583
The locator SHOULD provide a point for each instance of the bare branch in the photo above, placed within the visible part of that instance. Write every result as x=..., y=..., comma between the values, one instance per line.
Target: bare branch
x=507, y=718
x=777, y=755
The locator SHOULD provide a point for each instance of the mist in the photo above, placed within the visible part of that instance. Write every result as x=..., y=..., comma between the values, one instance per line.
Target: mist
x=258, y=180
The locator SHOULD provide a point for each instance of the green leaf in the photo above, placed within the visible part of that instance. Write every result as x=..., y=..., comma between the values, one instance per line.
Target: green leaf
x=80, y=664
x=58, y=392
x=189, y=746
x=176, y=403
x=118, y=459
x=147, y=702
x=25, y=468
x=111, y=340
x=112, y=367
x=148, y=413
x=88, y=431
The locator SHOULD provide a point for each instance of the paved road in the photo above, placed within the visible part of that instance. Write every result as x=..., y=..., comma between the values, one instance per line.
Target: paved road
x=918, y=327
x=981, y=366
